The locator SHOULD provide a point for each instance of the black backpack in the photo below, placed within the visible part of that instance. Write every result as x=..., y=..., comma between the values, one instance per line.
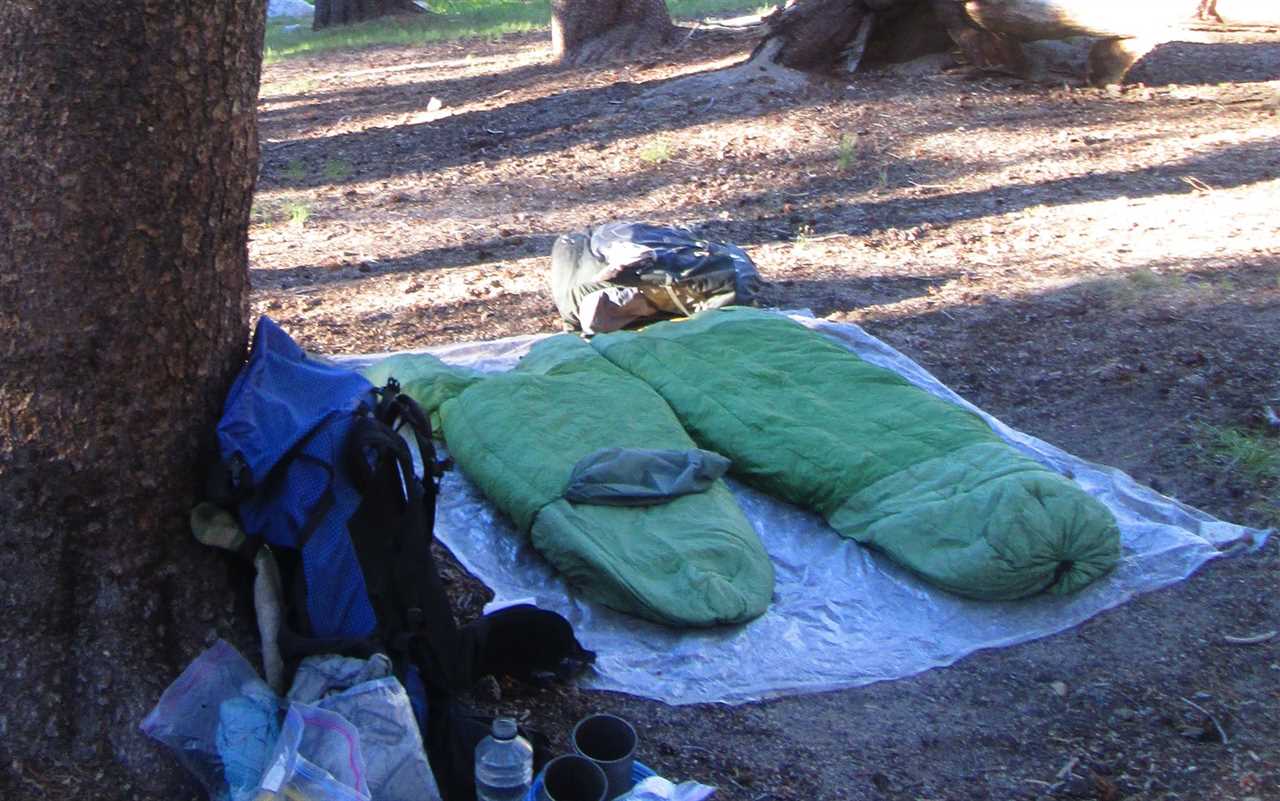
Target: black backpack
x=313, y=460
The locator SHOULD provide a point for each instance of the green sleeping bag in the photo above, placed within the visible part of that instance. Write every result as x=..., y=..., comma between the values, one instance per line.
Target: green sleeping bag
x=886, y=463
x=693, y=560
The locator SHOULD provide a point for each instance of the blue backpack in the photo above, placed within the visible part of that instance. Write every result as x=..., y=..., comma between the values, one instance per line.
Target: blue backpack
x=313, y=461
x=283, y=438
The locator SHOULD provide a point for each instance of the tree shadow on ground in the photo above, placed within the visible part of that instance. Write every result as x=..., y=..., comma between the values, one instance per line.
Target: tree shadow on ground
x=564, y=121
x=1218, y=169
x=469, y=254
x=327, y=108
x=936, y=209
x=844, y=294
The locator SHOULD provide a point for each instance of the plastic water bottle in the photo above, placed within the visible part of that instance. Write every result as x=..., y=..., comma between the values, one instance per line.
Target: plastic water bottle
x=504, y=764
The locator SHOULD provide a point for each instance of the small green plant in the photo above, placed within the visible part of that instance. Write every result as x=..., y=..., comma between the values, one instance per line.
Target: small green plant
x=295, y=171
x=1252, y=454
x=337, y=169
x=1144, y=281
x=297, y=213
x=1249, y=452
x=803, y=238
x=1151, y=280
x=656, y=152
x=847, y=153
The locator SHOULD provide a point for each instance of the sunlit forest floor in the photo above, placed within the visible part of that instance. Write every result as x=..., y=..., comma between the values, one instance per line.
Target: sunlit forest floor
x=1098, y=268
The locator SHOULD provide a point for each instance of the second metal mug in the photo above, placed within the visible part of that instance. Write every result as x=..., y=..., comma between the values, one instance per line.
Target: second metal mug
x=572, y=778
x=610, y=742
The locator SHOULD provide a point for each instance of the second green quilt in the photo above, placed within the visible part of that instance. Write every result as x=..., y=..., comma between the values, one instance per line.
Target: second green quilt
x=886, y=463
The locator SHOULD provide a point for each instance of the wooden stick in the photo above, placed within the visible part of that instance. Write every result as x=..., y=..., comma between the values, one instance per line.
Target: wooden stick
x=1222, y=733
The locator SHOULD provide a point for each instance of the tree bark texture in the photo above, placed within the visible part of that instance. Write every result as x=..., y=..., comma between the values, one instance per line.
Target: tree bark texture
x=587, y=31
x=129, y=159
x=982, y=48
x=812, y=34
x=348, y=12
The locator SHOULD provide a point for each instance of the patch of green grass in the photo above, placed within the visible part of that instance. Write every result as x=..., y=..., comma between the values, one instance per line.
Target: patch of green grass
x=337, y=169
x=295, y=171
x=275, y=211
x=847, y=152
x=1133, y=286
x=297, y=213
x=459, y=20
x=656, y=152
x=1252, y=453
x=1151, y=280
x=696, y=9
x=451, y=19
x=1249, y=453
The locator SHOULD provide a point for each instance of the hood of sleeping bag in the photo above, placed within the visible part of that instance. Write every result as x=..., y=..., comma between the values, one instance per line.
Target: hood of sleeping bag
x=282, y=439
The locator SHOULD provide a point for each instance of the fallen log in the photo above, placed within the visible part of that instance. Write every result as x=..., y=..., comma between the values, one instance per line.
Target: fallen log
x=839, y=35
x=1126, y=30
x=1029, y=20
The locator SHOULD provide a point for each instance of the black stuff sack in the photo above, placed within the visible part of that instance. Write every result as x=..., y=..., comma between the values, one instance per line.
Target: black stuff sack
x=619, y=273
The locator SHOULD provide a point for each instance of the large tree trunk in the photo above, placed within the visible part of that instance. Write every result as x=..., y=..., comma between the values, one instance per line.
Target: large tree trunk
x=587, y=31
x=348, y=12
x=130, y=152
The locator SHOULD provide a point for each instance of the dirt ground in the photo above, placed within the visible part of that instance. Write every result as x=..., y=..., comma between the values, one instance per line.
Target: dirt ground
x=1098, y=268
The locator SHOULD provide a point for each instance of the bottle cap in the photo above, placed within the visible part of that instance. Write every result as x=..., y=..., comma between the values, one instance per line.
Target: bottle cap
x=504, y=729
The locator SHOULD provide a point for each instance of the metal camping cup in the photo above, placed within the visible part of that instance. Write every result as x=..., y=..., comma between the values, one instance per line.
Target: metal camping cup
x=572, y=778
x=610, y=742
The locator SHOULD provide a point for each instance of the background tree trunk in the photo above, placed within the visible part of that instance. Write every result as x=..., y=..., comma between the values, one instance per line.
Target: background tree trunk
x=586, y=31
x=347, y=12
x=127, y=172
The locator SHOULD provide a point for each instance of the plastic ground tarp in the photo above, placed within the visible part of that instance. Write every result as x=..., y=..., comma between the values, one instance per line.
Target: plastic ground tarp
x=841, y=616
